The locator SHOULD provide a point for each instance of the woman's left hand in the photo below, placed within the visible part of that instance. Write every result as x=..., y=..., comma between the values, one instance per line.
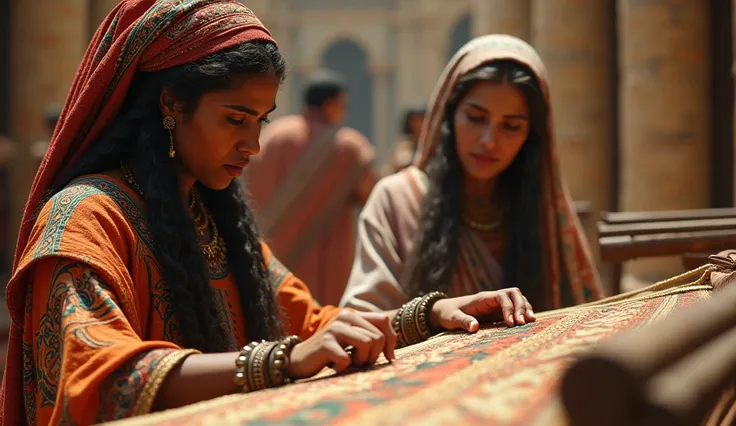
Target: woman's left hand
x=463, y=313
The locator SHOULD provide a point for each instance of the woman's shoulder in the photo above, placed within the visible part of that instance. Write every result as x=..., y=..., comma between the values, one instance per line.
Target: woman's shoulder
x=92, y=193
x=87, y=186
x=406, y=182
x=397, y=194
x=94, y=220
x=91, y=211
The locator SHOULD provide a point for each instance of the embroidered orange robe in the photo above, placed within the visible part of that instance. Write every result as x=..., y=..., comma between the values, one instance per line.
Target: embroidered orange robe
x=98, y=332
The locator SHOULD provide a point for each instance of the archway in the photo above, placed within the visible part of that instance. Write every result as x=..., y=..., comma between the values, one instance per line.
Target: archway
x=351, y=61
x=461, y=33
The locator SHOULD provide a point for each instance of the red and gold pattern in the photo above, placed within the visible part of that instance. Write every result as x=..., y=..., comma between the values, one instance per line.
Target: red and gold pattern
x=498, y=376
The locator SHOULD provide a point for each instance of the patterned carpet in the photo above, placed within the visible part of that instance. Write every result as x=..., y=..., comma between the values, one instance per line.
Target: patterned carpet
x=498, y=376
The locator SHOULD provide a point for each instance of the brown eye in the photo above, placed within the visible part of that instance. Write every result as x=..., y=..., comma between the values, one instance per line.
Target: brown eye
x=512, y=126
x=235, y=122
x=476, y=118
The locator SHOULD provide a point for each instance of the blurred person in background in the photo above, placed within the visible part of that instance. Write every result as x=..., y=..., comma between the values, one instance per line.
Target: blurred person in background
x=38, y=148
x=402, y=152
x=306, y=182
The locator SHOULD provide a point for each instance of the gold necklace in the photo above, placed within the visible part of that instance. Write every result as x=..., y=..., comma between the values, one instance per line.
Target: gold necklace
x=128, y=174
x=215, y=250
x=483, y=227
x=488, y=226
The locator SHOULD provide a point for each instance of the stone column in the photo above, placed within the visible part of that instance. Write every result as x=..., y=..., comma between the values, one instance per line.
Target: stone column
x=430, y=47
x=280, y=22
x=505, y=17
x=733, y=73
x=283, y=35
x=380, y=74
x=49, y=39
x=664, y=111
x=575, y=40
x=98, y=10
x=407, y=69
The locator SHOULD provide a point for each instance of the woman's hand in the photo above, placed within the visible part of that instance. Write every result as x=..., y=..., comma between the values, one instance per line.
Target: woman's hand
x=368, y=333
x=463, y=313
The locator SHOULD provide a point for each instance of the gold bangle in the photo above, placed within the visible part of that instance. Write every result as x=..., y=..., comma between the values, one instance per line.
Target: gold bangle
x=262, y=365
x=242, y=367
x=279, y=359
x=258, y=363
x=275, y=361
x=409, y=330
x=396, y=324
x=411, y=322
x=424, y=310
x=289, y=343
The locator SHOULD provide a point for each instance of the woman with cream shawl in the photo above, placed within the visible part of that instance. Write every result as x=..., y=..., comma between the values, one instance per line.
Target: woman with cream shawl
x=484, y=206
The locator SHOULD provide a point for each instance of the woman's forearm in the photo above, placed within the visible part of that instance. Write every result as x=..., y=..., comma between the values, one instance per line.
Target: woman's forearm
x=202, y=377
x=198, y=378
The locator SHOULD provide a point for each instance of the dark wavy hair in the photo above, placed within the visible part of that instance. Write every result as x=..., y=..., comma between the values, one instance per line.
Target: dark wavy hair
x=137, y=137
x=521, y=183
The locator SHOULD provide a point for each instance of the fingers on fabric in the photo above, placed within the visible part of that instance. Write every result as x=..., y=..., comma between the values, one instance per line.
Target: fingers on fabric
x=372, y=350
x=367, y=339
x=383, y=323
x=470, y=324
x=519, y=305
x=339, y=360
x=529, y=314
x=461, y=320
x=507, y=308
x=376, y=323
x=347, y=335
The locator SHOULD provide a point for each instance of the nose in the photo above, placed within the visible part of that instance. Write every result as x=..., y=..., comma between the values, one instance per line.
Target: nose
x=488, y=138
x=251, y=146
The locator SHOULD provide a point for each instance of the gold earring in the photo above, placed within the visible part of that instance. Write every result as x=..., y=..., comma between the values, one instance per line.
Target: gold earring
x=169, y=124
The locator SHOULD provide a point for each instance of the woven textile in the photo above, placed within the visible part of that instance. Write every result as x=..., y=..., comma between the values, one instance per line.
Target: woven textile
x=498, y=376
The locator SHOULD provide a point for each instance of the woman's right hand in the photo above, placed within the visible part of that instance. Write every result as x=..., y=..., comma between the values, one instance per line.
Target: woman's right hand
x=369, y=334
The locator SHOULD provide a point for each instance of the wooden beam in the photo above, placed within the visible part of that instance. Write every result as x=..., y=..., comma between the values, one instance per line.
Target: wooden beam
x=621, y=248
x=663, y=227
x=661, y=216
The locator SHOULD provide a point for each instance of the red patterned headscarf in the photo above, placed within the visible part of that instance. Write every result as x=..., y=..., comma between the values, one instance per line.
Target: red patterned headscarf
x=138, y=35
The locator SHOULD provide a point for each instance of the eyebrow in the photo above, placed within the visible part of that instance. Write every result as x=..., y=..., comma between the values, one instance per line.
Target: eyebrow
x=480, y=108
x=247, y=110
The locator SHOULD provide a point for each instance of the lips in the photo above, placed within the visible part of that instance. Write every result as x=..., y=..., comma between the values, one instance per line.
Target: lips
x=484, y=158
x=236, y=169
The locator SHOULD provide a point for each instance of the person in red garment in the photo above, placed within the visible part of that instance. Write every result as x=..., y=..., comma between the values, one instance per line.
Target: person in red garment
x=305, y=184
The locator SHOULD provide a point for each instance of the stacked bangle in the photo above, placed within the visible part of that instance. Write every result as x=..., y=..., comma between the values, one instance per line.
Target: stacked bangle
x=411, y=322
x=263, y=364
